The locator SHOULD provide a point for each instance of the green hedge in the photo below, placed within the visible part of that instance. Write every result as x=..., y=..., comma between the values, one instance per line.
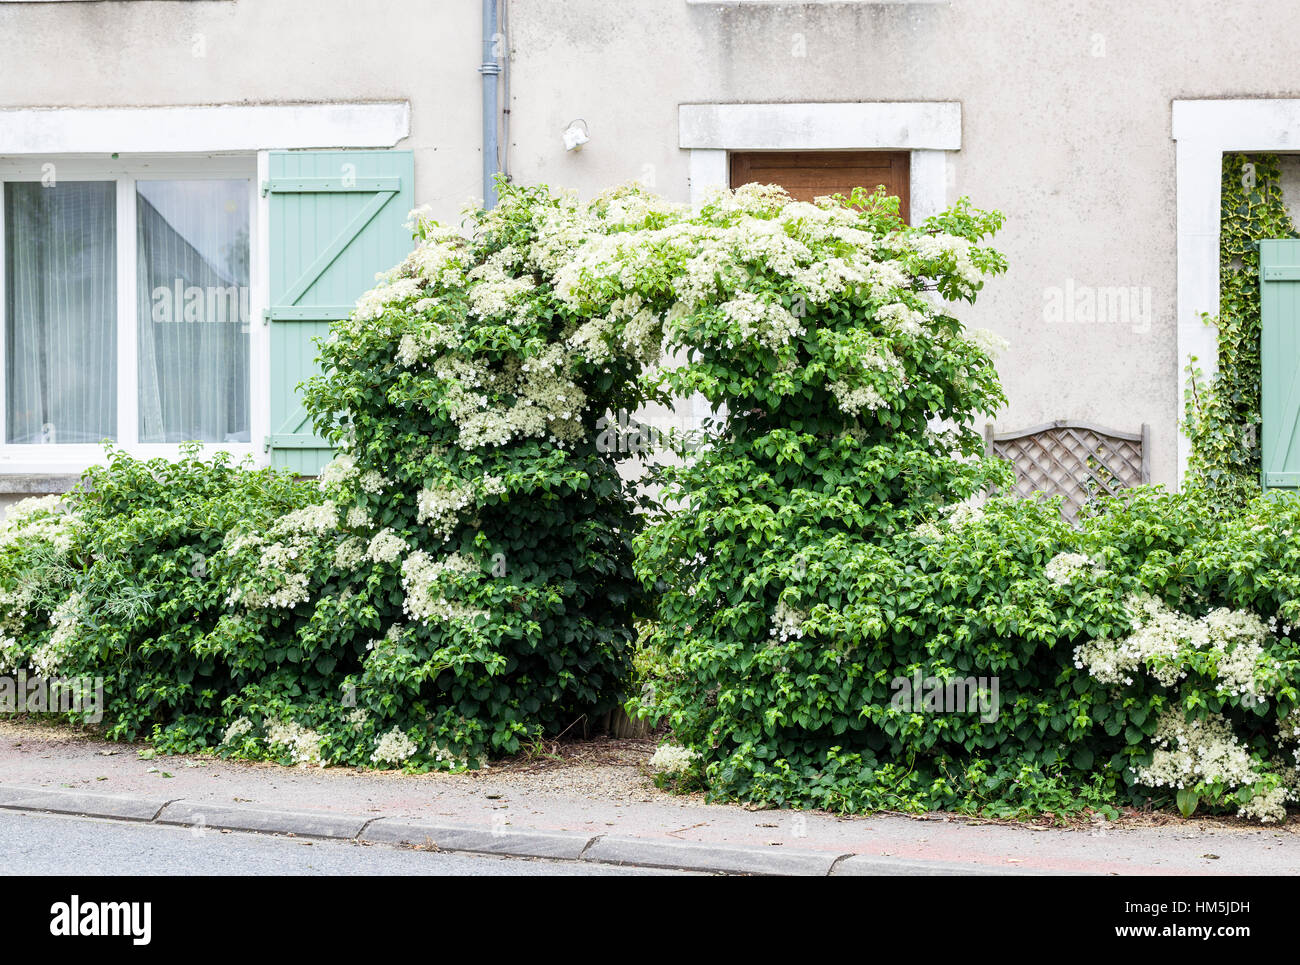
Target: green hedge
x=834, y=615
x=1103, y=641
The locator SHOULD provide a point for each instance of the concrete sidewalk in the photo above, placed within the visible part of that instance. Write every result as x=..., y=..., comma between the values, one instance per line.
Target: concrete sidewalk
x=604, y=810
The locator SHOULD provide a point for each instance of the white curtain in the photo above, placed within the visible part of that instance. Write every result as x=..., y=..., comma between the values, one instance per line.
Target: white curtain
x=192, y=283
x=61, y=312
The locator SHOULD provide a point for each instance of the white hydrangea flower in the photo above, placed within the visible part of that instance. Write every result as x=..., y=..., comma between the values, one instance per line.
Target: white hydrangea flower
x=338, y=470
x=417, y=216
x=643, y=337
x=673, y=759
x=1160, y=636
x=963, y=513
x=421, y=574
x=594, y=339
x=440, y=261
x=278, y=581
x=1187, y=753
x=903, y=318
x=66, y=619
x=303, y=745
x=1163, y=639
x=385, y=547
x=987, y=341
x=11, y=658
x=853, y=399
x=1268, y=807
x=499, y=296
x=950, y=250
x=1289, y=727
x=41, y=519
x=375, y=302
x=787, y=622
x=756, y=319
x=440, y=507
x=238, y=728
x=316, y=519
x=1239, y=637
x=928, y=531
x=1064, y=567
x=349, y=554
x=393, y=747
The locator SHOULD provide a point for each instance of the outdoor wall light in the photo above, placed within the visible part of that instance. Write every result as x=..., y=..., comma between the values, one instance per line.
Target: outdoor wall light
x=575, y=135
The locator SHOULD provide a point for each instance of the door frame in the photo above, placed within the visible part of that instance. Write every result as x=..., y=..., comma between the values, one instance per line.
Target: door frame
x=1204, y=131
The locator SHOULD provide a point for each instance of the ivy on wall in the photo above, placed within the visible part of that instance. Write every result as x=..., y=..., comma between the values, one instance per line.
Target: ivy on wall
x=1222, y=413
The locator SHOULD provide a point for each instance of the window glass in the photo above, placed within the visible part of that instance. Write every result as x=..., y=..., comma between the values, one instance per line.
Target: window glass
x=192, y=269
x=60, y=284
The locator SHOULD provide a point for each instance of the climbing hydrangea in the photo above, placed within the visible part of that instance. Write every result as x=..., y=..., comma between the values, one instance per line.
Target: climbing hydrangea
x=466, y=575
x=300, y=744
x=1062, y=568
x=1166, y=643
x=673, y=758
x=1207, y=751
x=394, y=747
x=1188, y=752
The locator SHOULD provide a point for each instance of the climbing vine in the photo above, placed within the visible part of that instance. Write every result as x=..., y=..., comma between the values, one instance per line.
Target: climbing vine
x=1222, y=413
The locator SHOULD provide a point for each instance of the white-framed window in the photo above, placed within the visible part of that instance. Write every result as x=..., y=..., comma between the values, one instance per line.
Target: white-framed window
x=714, y=134
x=128, y=307
x=928, y=130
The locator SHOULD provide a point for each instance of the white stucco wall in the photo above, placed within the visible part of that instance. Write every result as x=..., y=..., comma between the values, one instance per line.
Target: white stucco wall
x=162, y=52
x=1065, y=120
x=1075, y=149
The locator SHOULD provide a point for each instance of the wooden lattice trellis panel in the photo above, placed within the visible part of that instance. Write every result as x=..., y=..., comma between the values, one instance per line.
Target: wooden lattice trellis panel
x=1073, y=459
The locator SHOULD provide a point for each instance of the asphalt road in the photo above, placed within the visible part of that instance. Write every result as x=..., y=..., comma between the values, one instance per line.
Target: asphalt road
x=45, y=844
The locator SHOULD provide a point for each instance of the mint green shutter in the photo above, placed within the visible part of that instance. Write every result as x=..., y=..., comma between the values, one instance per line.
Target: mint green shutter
x=336, y=219
x=1279, y=356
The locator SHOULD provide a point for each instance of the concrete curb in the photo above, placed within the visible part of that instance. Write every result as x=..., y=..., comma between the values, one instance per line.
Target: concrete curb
x=524, y=843
x=564, y=845
x=298, y=823
x=13, y=793
x=866, y=864
x=695, y=856
x=81, y=803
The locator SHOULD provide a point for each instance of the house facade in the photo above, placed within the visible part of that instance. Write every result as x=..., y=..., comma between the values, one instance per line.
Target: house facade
x=193, y=189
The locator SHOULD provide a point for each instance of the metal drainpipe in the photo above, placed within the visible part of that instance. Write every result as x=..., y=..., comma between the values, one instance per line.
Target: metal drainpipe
x=490, y=70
